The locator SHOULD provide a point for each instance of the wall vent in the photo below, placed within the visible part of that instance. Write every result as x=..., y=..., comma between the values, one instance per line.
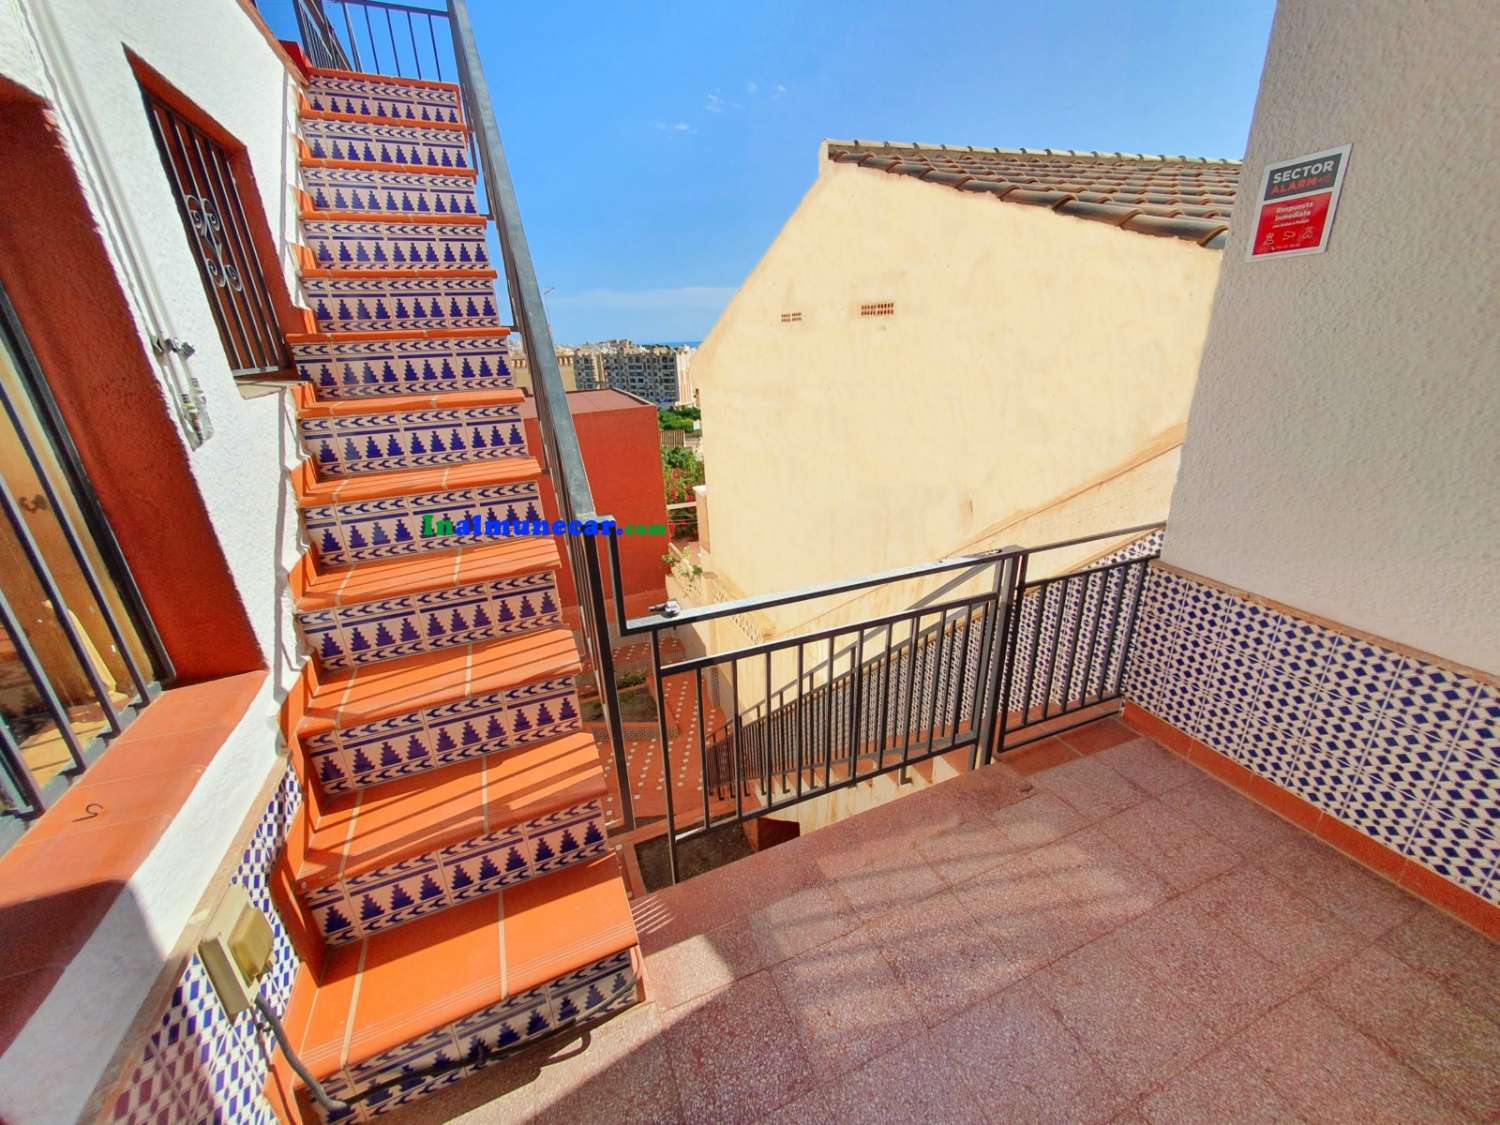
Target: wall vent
x=878, y=308
x=791, y=318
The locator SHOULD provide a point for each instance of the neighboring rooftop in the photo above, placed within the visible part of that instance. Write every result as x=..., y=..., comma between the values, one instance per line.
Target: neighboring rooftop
x=1172, y=196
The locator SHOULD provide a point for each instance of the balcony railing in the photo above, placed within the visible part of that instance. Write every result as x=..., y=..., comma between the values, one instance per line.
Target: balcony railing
x=978, y=665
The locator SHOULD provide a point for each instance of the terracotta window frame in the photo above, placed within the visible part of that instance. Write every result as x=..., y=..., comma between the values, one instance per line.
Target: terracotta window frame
x=212, y=183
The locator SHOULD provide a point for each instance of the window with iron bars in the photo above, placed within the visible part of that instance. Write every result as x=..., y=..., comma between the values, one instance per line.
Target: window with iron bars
x=208, y=200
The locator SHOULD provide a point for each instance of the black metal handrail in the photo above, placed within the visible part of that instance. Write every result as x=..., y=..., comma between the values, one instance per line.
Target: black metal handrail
x=975, y=671
x=381, y=21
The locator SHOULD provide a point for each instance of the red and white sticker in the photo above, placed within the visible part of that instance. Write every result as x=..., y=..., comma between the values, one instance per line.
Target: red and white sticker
x=1298, y=198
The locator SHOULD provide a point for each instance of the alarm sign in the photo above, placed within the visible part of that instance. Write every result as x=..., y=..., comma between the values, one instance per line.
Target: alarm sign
x=1297, y=201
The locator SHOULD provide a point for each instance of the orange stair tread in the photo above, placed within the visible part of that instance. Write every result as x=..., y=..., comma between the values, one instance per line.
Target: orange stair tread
x=388, y=989
x=383, y=166
x=395, y=404
x=312, y=492
x=371, y=77
x=400, y=218
x=402, y=272
x=380, y=119
x=398, y=334
x=416, y=816
x=396, y=687
x=425, y=572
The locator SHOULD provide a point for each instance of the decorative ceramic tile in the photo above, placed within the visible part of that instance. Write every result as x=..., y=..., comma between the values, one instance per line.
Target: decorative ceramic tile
x=1382, y=808
x=382, y=899
x=396, y=193
x=348, y=758
x=400, y=304
x=341, y=244
x=353, y=444
x=368, y=632
x=1456, y=848
x=1480, y=732
x=366, y=530
x=368, y=143
x=1363, y=672
x=477, y=1040
x=1303, y=649
x=198, y=1065
x=363, y=369
x=1404, y=750
x=373, y=96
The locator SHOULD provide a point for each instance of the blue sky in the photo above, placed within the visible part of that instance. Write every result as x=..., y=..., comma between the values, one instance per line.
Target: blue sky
x=658, y=148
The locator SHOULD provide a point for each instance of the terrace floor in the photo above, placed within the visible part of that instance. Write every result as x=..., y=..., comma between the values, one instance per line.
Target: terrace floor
x=1092, y=931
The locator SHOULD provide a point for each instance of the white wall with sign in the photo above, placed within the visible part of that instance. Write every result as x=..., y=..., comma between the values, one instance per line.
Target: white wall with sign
x=1341, y=452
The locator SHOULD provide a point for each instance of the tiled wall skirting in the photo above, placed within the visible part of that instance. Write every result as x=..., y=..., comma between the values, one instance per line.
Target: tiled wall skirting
x=198, y=1065
x=1397, y=748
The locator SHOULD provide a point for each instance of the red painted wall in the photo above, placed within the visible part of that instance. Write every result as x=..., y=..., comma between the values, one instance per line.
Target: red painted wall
x=622, y=453
x=55, y=268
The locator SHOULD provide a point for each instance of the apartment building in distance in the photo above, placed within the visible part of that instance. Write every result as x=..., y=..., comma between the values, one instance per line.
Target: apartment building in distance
x=653, y=372
x=568, y=362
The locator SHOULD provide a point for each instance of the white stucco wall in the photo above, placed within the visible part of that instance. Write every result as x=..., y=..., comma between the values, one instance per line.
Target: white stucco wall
x=73, y=53
x=1342, y=452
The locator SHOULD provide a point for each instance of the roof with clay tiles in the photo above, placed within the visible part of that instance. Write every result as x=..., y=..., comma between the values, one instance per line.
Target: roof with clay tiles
x=1168, y=196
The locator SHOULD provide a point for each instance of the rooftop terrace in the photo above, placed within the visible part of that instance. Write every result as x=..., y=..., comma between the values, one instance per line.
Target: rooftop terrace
x=1094, y=930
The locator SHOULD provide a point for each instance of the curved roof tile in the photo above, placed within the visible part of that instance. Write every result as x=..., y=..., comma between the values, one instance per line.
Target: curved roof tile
x=1186, y=197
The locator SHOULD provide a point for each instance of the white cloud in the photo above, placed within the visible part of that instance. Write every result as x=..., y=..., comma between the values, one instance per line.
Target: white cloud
x=715, y=103
x=673, y=127
x=647, y=300
x=778, y=90
x=752, y=87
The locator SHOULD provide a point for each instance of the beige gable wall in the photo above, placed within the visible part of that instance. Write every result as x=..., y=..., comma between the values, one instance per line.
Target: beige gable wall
x=1030, y=353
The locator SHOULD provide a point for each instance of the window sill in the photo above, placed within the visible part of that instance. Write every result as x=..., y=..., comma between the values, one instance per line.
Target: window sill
x=65, y=872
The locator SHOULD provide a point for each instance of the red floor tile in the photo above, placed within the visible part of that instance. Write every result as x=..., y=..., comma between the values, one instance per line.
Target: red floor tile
x=1280, y=925
x=1149, y=767
x=919, y=1082
x=1464, y=962
x=1094, y=737
x=845, y=1002
x=1452, y=1046
x=1363, y=901
x=1328, y=1071
x=1139, y=1033
x=1225, y=982
x=1174, y=848
x=1038, y=756
x=1024, y=1065
x=943, y=958
x=735, y=1053
x=1090, y=786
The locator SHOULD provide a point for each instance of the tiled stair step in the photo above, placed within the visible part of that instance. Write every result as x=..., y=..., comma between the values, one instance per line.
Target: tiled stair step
x=363, y=142
x=380, y=516
x=389, y=720
x=475, y=982
x=354, y=616
x=373, y=364
x=429, y=242
x=340, y=189
x=400, y=300
x=420, y=431
x=391, y=113
x=341, y=91
x=387, y=856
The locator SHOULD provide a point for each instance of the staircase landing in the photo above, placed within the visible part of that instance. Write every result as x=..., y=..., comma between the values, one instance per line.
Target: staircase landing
x=1109, y=936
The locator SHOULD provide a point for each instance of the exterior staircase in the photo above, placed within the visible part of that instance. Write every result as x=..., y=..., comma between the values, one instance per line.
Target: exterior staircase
x=447, y=883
